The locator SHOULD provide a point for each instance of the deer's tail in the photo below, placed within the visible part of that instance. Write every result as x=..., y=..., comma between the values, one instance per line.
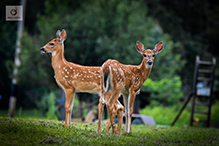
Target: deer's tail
x=106, y=76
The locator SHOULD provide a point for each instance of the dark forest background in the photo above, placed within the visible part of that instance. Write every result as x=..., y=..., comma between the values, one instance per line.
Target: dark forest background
x=101, y=29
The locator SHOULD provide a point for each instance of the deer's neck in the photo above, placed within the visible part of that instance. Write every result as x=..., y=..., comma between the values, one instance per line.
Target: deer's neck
x=143, y=71
x=58, y=59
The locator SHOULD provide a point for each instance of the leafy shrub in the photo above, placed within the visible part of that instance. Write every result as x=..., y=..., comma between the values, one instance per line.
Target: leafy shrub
x=166, y=91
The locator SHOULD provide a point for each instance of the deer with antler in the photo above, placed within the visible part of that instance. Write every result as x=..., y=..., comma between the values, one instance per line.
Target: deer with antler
x=127, y=80
x=74, y=78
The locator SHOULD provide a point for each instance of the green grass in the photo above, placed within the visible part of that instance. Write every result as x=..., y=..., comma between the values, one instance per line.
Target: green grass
x=19, y=131
x=166, y=115
x=162, y=115
x=25, y=114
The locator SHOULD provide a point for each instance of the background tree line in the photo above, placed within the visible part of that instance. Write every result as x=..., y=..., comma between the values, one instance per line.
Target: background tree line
x=103, y=29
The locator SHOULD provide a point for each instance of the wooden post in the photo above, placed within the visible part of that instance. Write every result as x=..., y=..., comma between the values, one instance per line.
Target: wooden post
x=194, y=90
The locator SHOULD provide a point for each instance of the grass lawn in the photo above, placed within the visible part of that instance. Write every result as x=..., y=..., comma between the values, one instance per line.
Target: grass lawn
x=19, y=131
x=25, y=114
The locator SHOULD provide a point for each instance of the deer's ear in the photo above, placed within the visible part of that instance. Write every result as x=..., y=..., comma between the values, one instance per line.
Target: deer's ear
x=63, y=36
x=139, y=47
x=158, y=48
x=58, y=34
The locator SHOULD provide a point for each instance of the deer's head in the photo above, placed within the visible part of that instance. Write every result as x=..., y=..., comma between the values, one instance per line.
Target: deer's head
x=149, y=55
x=56, y=44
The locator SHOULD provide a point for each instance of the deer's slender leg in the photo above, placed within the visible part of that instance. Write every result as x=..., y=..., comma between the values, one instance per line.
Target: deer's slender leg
x=111, y=107
x=69, y=94
x=131, y=104
x=118, y=107
x=119, y=116
x=117, y=110
x=125, y=99
x=100, y=110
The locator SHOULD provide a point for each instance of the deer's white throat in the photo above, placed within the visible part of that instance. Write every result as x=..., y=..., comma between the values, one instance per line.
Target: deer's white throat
x=54, y=53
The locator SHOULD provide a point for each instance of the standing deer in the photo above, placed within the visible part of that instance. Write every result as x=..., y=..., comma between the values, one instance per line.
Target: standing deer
x=127, y=80
x=72, y=77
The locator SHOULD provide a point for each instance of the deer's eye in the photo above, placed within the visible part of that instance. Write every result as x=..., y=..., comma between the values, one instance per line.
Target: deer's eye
x=145, y=55
x=51, y=44
x=153, y=55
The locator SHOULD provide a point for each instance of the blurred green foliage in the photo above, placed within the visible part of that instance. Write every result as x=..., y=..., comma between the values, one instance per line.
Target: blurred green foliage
x=165, y=115
x=194, y=25
x=103, y=29
x=7, y=39
x=48, y=105
x=165, y=91
x=214, y=112
x=98, y=31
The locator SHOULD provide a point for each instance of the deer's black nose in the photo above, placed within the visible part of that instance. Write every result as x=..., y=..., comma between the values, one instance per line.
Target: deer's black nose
x=42, y=49
x=149, y=62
